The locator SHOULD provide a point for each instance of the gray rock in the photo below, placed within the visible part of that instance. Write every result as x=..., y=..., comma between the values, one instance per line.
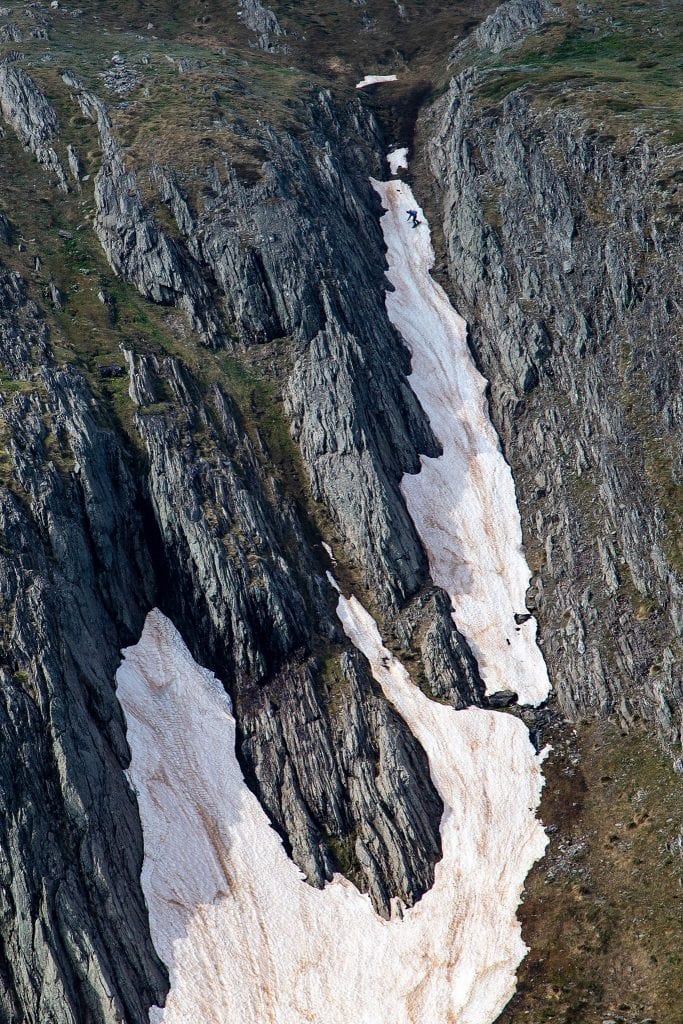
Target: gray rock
x=501, y=699
x=450, y=668
x=137, y=249
x=121, y=79
x=354, y=416
x=511, y=22
x=74, y=162
x=10, y=34
x=275, y=249
x=74, y=587
x=56, y=297
x=32, y=117
x=264, y=24
x=11, y=56
x=584, y=377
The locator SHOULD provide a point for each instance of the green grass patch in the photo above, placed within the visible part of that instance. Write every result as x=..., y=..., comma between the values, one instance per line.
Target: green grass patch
x=603, y=912
x=344, y=852
x=622, y=68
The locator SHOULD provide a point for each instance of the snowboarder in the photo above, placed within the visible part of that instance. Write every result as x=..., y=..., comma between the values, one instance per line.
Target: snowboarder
x=412, y=215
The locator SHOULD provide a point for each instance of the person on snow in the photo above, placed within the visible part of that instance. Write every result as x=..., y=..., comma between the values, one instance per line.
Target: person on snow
x=412, y=215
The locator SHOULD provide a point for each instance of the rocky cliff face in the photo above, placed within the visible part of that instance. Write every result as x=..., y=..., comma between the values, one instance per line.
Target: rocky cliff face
x=32, y=117
x=76, y=583
x=186, y=509
x=199, y=460
x=561, y=254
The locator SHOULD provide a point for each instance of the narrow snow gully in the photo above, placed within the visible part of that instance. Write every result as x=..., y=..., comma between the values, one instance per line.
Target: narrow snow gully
x=463, y=503
x=243, y=936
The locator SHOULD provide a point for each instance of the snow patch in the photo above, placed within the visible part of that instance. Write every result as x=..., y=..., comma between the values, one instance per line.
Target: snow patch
x=463, y=503
x=375, y=80
x=398, y=160
x=245, y=938
x=328, y=551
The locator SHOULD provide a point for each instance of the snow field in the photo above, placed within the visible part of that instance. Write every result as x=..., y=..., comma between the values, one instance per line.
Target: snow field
x=463, y=503
x=244, y=938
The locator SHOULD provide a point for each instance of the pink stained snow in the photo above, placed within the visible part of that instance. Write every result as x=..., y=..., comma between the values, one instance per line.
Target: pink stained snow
x=463, y=504
x=375, y=80
x=244, y=938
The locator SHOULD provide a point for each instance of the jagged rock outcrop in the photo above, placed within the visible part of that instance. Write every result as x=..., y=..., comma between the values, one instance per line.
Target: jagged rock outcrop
x=10, y=33
x=274, y=250
x=161, y=268
x=297, y=256
x=136, y=247
x=264, y=24
x=511, y=22
x=139, y=250
x=74, y=586
x=27, y=110
x=74, y=162
x=234, y=556
x=449, y=665
x=378, y=757
x=563, y=262
x=232, y=529
x=364, y=804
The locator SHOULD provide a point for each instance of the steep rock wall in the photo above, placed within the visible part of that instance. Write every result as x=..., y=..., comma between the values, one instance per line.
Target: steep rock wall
x=74, y=583
x=102, y=496
x=563, y=258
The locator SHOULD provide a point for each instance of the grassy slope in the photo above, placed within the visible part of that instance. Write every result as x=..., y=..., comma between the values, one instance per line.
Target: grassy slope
x=602, y=915
x=621, y=66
